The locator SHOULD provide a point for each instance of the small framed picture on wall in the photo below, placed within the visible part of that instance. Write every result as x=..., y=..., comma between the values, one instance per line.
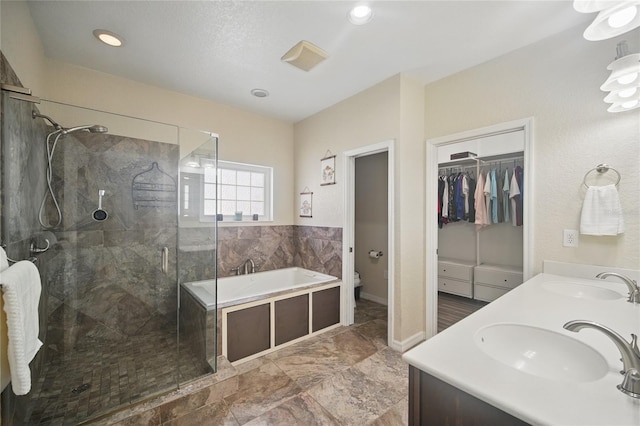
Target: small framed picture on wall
x=328, y=170
x=306, y=204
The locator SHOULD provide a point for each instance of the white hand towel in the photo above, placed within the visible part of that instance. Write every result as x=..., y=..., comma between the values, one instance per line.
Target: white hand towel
x=601, y=211
x=4, y=263
x=21, y=289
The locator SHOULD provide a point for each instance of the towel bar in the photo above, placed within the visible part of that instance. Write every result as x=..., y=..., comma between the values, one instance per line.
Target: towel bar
x=601, y=168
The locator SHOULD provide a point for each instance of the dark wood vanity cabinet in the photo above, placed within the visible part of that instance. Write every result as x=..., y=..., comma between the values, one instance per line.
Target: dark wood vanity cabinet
x=433, y=402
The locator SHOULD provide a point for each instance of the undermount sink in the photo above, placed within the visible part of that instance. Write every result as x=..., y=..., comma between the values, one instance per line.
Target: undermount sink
x=581, y=291
x=541, y=352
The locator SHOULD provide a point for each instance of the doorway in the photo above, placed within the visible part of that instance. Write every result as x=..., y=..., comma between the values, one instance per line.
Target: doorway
x=438, y=146
x=368, y=187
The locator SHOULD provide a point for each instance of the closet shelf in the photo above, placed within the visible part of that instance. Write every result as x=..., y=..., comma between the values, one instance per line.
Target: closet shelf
x=483, y=159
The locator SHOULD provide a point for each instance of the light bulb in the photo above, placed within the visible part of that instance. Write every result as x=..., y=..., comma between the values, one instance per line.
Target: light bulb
x=630, y=104
x=628, y=78
x=109, y=38
x=627, y=93
x=360, y=15
x=360, y=11
x=622, y=17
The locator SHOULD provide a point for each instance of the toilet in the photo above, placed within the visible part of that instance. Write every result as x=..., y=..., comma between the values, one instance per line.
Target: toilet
x=356, y=285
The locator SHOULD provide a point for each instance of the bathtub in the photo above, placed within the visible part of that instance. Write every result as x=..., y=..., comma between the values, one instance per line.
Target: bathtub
x=244, y=288
x=260, y=313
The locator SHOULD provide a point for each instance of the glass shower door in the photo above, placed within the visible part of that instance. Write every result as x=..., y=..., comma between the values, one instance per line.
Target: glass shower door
x=108, y=310
x=112, y=331
x=197, y=254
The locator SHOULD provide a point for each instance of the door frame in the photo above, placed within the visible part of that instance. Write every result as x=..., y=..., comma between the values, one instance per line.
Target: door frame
x=349, y=163
x=431, y=214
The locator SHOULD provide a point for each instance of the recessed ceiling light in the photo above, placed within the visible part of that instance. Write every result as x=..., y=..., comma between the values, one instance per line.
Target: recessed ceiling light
x=360, y=15
x=259, y=93
x=108, y=37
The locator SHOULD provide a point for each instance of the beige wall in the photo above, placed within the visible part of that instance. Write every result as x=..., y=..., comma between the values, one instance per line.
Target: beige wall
x=244, y=136
x=392, y=109
x=555, y=81
x=371, y=217
x=21, y=45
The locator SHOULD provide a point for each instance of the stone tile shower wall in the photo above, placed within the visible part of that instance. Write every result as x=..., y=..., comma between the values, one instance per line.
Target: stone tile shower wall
x=107, y=281
x=22, y=184
x=23, y=164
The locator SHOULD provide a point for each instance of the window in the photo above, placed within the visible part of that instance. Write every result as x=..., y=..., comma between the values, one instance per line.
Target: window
x=243, y=190
x=238, y=187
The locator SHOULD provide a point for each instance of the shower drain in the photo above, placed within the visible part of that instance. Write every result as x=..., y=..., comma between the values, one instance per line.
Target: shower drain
x=83, y=387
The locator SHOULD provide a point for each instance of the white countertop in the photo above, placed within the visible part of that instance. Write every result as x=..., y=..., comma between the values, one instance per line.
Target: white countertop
x=454, y=357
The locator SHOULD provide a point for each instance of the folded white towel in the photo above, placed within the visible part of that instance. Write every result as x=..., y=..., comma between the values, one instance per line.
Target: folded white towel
x=4, y=263
x=601, y=211
x=21, y=289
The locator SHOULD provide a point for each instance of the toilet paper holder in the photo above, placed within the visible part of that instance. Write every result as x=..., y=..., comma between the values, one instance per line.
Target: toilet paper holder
x=375, y=254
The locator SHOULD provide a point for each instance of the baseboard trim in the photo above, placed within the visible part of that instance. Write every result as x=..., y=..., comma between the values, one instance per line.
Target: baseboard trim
x=408, y=343
x=373, y=298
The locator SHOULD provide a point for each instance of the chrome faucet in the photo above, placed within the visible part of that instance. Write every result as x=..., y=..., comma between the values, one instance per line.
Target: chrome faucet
x=628, y=350
x=246, y=269
x=634, y=290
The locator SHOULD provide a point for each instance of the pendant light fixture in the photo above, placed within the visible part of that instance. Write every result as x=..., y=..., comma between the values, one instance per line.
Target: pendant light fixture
x=614, y=17
x=623, y=84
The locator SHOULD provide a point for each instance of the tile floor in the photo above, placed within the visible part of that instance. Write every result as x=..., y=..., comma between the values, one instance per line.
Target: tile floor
x=97, y=377
x=346, y=376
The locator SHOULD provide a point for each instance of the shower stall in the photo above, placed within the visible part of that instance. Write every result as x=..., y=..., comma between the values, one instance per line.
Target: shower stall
x=98, y=201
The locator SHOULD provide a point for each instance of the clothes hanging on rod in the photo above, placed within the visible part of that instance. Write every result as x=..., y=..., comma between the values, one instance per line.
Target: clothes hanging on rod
x=456, y=200
x=495, y=196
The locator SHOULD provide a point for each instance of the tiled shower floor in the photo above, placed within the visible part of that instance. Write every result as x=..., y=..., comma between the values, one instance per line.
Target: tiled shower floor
x=118, y=374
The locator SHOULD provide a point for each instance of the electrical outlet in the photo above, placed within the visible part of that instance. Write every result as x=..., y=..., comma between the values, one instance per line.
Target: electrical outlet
x=570, y=238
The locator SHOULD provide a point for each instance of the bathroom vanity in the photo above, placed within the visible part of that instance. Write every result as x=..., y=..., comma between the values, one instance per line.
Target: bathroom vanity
x=512, y=362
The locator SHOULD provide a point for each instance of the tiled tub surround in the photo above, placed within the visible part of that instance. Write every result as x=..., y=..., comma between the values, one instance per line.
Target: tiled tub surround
x=271, y=247
x=319, y=248
x=258, y=313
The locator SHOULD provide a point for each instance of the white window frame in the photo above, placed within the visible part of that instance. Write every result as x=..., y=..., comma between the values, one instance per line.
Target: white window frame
x=247, y=216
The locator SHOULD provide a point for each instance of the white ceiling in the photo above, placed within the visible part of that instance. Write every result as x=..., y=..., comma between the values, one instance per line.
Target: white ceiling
x=220, y=50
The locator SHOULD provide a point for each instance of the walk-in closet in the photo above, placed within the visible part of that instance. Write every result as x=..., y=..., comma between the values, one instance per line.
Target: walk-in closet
x=480, y=219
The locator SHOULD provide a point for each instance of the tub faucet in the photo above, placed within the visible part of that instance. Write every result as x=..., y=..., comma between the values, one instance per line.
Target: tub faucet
x=246, y=264
x=634, y=290
x=628, y=350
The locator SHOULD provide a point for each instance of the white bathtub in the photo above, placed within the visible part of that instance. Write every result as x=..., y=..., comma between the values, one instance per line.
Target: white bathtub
x=245, y=288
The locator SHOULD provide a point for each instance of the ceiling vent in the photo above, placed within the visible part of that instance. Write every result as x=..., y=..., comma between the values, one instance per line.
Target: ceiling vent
x=305, y=55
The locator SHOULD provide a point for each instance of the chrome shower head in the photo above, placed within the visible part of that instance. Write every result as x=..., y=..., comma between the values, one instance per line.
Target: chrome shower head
x=49, y=119
x=93, y=128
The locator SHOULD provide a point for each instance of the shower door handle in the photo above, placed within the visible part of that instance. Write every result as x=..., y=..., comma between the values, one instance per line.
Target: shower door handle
x=165, y=260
